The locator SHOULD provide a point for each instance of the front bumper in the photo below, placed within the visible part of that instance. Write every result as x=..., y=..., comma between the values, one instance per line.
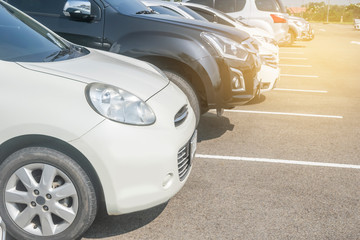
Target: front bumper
x=269, y=76
x=138, y=166
x=247, y=73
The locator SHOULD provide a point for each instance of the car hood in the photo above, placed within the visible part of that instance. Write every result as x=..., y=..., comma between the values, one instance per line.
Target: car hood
x=200, y=26
x=134, y=76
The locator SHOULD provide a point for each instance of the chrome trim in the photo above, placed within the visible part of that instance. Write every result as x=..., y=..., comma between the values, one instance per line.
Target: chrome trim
x=181, y=115
x=242, y=80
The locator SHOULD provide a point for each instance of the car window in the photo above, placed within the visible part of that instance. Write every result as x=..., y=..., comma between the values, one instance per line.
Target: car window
x=23, y=39
x=207, y=15
x=192, y=13
x=224, y=22
x=268, y=5
x=229, y=5
x=39, y=6
x=129, y=6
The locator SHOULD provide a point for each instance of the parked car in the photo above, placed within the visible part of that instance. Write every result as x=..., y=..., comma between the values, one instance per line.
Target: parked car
x=299, y=29
x=357, y=24
x=206, y=61
x=268, y=50
x=269, y=15
x=82, y=128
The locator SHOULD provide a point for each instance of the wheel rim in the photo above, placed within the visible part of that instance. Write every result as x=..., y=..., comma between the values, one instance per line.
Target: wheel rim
x=41, y=199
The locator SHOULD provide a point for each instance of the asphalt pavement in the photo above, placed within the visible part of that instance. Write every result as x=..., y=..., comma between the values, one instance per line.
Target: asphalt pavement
x=284, y=167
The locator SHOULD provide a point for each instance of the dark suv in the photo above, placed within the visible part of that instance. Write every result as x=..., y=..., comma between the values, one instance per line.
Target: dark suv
x=216, y=66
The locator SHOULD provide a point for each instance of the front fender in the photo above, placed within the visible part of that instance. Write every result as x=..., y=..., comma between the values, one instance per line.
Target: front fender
x=176, y=49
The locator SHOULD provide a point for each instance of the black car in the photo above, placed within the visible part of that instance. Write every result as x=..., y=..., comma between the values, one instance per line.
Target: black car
x=216, y=66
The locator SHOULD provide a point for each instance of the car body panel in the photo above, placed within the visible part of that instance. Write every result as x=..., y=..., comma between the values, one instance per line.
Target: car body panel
x=150, y=38
x=49, y=99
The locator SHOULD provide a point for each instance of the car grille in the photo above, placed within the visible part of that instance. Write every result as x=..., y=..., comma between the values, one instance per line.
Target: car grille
x=185, y=156
x=181, y=115
x=270, y=60
x=184, y=162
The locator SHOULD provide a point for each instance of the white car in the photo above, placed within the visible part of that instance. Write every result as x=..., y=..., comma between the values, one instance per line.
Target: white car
x=357, y=24
x=269, y=15
x=299, y=29
x=80, y=128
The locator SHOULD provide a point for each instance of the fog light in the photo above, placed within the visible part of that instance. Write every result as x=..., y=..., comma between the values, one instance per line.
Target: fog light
x=168, y=180
x=237, y=81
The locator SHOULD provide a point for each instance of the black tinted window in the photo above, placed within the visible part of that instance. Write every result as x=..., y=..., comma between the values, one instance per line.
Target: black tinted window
x=192, y=13
x=268, y=5
x=224, y=22
x=229, y=5
x=208, y=16
x=40, y=6
x=128, y=6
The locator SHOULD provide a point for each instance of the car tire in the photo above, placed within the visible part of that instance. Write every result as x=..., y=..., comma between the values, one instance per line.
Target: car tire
x=188, y=90
x=45, y=194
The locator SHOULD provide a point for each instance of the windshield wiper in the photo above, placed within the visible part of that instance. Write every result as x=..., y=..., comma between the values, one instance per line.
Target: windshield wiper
x=52, y=57
x=146, y=12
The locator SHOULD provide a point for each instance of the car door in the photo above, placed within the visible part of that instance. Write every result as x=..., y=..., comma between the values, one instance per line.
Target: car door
x=78, y=28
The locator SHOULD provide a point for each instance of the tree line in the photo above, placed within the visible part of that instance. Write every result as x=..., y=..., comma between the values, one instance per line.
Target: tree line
x=337, y=13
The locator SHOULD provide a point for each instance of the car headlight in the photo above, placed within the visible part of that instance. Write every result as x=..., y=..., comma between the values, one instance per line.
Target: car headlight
x=226, y=47
x=119, y=105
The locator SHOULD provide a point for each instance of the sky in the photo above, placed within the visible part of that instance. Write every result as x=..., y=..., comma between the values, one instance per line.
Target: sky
x=298, y=3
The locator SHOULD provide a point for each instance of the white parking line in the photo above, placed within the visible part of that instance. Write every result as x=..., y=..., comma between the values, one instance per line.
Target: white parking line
x=293, y=58
x=292, y=65
x=300, y=76
x=269, y=160
x=355, y=42
x=284, y=113
x=300, y=90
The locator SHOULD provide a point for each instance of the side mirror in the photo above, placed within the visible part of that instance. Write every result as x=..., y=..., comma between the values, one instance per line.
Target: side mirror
x=79, y=10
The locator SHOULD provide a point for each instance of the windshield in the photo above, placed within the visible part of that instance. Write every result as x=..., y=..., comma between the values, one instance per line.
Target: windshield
x=129, y=7
x=23, y=39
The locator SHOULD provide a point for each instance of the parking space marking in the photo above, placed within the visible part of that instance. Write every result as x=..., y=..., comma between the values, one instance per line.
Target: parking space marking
x=301, y=76
x=300, y=90
x=281, y=161
x=293, y=65
x=284, y=113
x=355, y=42
x=293, y=58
